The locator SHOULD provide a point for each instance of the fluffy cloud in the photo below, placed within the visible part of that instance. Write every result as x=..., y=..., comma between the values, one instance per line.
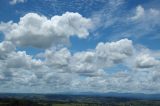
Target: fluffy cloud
x=89, y=63
x=5, y=48
x=83, y=62
x=92, y=63
x=57, y=60
x=21, y=60
x=87, y=70
x=146, y=61
x=15, y=65
x=60, y=57
x=39, y=31
x=114, y=52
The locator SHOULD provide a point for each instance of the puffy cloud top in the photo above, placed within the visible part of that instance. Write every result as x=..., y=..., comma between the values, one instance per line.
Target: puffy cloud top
x=5, y=48
x=146, y=61
x=38, y=31
x=115, y=51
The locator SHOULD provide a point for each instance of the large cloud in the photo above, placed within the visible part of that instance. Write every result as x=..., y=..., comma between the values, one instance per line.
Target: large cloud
x=39, y=31
x=87, y=70
x=103, y=56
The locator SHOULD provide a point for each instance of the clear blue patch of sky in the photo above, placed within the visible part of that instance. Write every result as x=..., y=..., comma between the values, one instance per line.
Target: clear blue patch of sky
x=1, y=37
x=30, y=50
x=149, y=41
x=117, y=68
x=7, y=11
x=134, y=3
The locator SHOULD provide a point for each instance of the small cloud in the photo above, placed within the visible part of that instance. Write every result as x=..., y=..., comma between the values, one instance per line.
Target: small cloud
x=139, y=13
x=146, y=61
x=13, y=2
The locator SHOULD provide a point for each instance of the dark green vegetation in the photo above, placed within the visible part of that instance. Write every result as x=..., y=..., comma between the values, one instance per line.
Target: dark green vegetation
x=71, y=100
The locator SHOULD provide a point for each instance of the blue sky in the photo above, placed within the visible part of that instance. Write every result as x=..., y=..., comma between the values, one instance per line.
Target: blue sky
x=80, y=46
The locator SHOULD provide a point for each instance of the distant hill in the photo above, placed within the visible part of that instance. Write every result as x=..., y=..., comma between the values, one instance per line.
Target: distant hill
x=79, y=99
x=132, y=95
x=122, y=95
x=72, y=96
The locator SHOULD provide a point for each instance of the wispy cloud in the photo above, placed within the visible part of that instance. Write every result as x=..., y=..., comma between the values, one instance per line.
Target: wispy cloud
x=13, y=2
x=135, y=23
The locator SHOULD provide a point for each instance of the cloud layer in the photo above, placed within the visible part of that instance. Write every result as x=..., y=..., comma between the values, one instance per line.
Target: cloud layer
x=119, y=66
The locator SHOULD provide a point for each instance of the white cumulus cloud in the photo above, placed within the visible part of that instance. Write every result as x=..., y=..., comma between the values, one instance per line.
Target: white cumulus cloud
x=146, y=61
x=39, y=31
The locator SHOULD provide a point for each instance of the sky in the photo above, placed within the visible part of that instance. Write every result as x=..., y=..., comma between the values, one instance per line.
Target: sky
x=52, y=46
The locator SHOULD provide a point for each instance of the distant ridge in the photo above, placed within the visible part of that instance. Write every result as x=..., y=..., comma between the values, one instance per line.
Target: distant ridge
x=109, y=94
x=115, y=94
